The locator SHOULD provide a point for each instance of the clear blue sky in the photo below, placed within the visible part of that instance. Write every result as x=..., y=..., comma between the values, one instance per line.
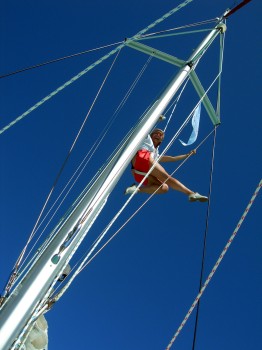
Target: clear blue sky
x=135, y=294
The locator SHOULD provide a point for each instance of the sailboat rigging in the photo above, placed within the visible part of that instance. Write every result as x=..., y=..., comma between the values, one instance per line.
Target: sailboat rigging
x=24, y=306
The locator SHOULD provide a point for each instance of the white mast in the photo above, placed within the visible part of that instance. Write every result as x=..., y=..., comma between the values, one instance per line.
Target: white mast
x=31, y=293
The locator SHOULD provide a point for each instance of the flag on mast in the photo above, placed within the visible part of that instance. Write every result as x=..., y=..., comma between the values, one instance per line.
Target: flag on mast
x=195, y=125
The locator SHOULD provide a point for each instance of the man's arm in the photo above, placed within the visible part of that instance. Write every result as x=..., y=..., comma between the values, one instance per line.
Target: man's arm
x=164, y=159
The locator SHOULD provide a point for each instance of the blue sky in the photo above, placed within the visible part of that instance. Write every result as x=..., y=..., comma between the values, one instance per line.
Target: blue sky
x=135, y=294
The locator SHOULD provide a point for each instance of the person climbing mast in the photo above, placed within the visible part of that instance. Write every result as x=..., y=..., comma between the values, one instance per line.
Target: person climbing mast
x=158, y=180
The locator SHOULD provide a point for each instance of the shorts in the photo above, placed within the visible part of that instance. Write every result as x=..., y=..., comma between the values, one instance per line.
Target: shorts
x=142, y=164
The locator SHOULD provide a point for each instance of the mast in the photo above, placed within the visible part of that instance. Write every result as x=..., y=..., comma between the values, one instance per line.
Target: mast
x=31, y=295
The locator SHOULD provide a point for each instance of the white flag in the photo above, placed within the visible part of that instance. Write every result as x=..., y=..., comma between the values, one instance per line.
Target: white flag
x=195, y=125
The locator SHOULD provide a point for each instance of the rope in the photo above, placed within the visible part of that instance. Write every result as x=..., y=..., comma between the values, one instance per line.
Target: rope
x=101, y=236
x=56, y=60
x=174, y=34
x=120, y=106
x=152, y=25
x=205, y=237
x=182, y=27
x=165, y=16
x=216, y=264
x=69, y=82
x=142, y=205
x=84, y=262
x=104, y=232
x=82, y=266
x=164, y=151
x=210, y=189
x=94, y=245
x=88, y=156
x=175, y=104
x=9, y=285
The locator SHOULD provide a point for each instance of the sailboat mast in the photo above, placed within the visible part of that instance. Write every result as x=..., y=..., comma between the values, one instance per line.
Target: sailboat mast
x=33, y=290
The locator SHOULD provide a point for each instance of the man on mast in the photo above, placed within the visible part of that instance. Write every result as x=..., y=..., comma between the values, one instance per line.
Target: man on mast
x=158, y=180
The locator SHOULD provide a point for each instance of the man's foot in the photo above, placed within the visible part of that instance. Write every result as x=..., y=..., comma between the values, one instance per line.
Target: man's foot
x=194, y=197
x=131, y=189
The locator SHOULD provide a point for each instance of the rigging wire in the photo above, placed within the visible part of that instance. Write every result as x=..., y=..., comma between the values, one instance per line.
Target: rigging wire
x=220, y=68
x=48, y=240
x=181, y=27
x=114, y=219
x=242, y=217
x=175, y=34
x=175, y=104
x=205, y=236
x=84, y=262
x=101, y=236
x=100, y=60
x=60, y=88
x=117, y=215
x=82, y=266
x=16, y=266
x=88, y=157
x=46, y=299
x=57, y=60
x=232, y=237
x=38, y=65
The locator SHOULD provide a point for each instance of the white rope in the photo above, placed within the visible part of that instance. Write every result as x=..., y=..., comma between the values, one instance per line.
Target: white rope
x=13, y=275
x=175, y=104
x=58, y=59
x=86, y=160
x=215, y=266
x=115, y=155
x=182, y=27
x=142, y=205
x=175, y=34
x=79, y=75
x=102, y=235
x=114, y=219
x=84, y=262
x=70, y=151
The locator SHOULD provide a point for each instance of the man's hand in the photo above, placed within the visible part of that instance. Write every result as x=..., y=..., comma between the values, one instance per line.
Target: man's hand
x=192, y=152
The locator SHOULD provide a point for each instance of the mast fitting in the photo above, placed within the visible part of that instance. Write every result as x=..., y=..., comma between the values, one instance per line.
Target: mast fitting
x=222, y=27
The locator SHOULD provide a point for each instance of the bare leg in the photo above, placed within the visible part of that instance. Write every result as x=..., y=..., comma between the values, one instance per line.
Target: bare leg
x=154, y=185
x=159, y=181
x=160, y=173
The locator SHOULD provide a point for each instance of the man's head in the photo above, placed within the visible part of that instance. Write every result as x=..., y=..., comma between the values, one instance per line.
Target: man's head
x=157, y=136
